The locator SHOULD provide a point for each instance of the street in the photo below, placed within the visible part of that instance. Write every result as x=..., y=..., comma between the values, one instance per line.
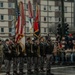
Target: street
x=57, y=70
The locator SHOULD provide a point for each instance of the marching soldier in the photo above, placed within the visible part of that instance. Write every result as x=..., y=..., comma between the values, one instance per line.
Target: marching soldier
x=20, y=57
x=35, y=54
x=29, y=54
x=8, y=57
x=14, y=56
x=42, y=46
x=49, y=50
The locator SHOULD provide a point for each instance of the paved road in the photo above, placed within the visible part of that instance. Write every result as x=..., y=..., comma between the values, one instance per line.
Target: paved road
x=66, y=70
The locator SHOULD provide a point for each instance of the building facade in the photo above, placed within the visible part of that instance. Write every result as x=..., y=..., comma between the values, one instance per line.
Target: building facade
x=50, y=15
x=6, y=17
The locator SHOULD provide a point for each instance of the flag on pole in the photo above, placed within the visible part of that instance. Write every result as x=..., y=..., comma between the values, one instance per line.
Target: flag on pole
x=30, y=16
x=36, y=21
x=17, y=12
x=23, y=22
x=20, y=23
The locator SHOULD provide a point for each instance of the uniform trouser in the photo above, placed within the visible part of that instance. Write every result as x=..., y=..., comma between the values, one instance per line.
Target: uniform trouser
x=48, y=65
x=29, y=63
x=15, y=64
x=35, y=59
x=21, y=64
x=41, y=62
x=0, y=61
x=7, y=65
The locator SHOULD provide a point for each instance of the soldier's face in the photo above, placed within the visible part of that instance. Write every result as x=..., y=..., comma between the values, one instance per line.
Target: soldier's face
x=7, y=42
x=29, y=40
x=42, y=40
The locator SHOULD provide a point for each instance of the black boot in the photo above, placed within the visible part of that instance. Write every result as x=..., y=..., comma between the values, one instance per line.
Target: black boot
x=49, y=72
x=29, y=72
x=36, y=70
x=15, y=73
x=7, y=73
x=42, y=70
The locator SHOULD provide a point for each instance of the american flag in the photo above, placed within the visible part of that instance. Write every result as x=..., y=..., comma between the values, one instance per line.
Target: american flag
x=20, y=22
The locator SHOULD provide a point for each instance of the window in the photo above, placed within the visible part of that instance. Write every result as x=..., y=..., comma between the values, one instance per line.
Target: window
x=2, y=29
x=10, y=29
x=56, y=19
x=50, y=18
x=44, y=7
x=59, y=19
x=44, y=29
x=44, y=18
x=65, y=9
x=1, y=4
x=10, y=17
x=10, y=5
x=49, y=7
x=59, y=8
x=65, y=19
x=1, y=17
x=56, y=8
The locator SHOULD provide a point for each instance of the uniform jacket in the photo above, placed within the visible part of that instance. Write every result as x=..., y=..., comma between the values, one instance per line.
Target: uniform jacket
x=35, y=49
x=42, y=48
x=49, y=48
x=6, y=50
x=28, y=49
x=19, y=50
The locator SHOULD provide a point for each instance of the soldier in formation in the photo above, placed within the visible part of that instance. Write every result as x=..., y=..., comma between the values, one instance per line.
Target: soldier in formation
x=8, y=57
x=36, y=50
x=29, y=54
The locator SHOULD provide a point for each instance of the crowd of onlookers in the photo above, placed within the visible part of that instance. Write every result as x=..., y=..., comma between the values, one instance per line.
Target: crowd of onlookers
x=64, y=50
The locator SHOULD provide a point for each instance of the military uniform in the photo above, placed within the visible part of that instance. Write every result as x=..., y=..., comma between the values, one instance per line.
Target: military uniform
x=8, y=57
x=29, y=56
x=20, y=58
x=42, y=55
x=14, y=58
x=49, y=50
x=35, y=56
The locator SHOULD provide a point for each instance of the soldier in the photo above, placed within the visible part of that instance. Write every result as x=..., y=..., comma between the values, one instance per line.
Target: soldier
x=42, y=46
x=35, y=54
x=29, y=54
x=14, y=56
x=49, y=50
x=8, y=57
x=20, y=57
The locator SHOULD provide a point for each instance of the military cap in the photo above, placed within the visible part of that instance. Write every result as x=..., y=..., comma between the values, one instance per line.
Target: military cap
x=7, y=40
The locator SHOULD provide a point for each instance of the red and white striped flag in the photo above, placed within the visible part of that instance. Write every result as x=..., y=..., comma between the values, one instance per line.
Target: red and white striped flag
x=20, y=25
